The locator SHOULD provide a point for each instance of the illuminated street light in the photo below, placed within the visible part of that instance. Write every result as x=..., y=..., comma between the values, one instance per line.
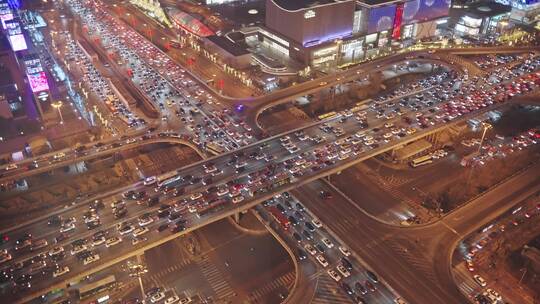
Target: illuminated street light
x=486, y=127
x=58, y=105
x=137, y=270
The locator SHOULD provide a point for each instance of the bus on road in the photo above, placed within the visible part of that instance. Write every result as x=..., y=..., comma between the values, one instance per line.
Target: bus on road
x=327, y=115
x=168, y=178
x=279, y=217
x=211, y=207
x=97, y=287
x=422, y=160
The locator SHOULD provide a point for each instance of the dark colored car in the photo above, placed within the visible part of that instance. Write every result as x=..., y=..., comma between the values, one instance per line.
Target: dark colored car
x=348, y=290
x=369, y=286
x=177, y=227
x=325, y=195
x=118, y=213
x=174, y=216
x=59, y=238
x=307, y=234
x=372, y=276
x=162, y=227
x=301, y=254
x=152, y=201
x=97, y=205
x=346, y=263
x=54, y=221
x=320, y=248
x=293, y=220
x=360, y=300
x=361, y=289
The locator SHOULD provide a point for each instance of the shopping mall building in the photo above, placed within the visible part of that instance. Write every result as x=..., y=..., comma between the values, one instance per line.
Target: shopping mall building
x=326, y=33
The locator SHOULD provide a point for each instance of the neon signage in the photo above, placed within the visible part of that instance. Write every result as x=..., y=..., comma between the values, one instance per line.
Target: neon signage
x=398, y=19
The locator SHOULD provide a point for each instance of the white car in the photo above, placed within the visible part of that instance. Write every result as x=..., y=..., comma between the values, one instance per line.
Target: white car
x=322, y=260
x=99, y=241
x=480, y=280
x=11, y=167
x=138, y=240
x=140, y=231
x=5, y=257
x=316, y=223
x=149, y=180
x=493, y=295
x=113, y=241
x=222, y=191
x=310, y=249
x=345, y=251
x=172, y=300
x=344, y=272
x=56, y=250
x=91, y=259
x=58, y=156
x=327, y=242
x=126, y=230
x=334, y=275
x=67, y=227
x=60, y=271
x=145, y=221
x=157, y=297
x=237, y=199
x=196, y=196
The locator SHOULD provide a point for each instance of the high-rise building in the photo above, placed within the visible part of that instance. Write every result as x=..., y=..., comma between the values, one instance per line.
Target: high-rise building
x=326, y=33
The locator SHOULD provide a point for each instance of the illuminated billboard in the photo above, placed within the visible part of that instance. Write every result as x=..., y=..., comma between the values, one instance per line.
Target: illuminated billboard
x=381, y=19
x=36, y=76
x=5, y=14
x=398, y=20
x=15, y=35
x=424, y=10
x=38, y=82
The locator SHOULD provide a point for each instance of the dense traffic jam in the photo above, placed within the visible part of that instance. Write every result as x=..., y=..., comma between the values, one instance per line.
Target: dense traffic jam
x=316, y=243
x=189, y=196
x=499, y=147
x=165, y=83
x=475, y=248
x=101, y=87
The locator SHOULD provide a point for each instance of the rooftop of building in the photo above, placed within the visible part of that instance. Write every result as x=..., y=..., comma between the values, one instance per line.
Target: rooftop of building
x=377, y=2
x=486, y=9
x=294, y=5
x=229, y=46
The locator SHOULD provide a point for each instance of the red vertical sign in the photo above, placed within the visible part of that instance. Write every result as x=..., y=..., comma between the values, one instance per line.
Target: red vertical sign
x=398, y=19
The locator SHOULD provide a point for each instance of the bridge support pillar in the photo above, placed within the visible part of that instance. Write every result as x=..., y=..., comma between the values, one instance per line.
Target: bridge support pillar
x=237, y=217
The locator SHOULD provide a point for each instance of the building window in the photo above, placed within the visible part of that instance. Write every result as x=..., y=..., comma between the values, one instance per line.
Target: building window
x=357, y=23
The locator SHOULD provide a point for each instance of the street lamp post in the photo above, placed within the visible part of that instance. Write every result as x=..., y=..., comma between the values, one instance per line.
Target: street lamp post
x=137, y=270
x=58, y=105
x=486, y=127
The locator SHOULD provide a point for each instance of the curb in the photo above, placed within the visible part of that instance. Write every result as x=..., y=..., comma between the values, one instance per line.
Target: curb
x=289, y=251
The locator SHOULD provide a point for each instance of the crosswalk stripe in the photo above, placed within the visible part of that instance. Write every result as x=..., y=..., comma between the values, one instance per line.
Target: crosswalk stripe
x=329, y=292
x=282, y=281
x=215, y=278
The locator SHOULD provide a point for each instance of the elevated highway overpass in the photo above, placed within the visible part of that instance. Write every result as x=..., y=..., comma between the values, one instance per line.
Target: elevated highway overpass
x=272, y=146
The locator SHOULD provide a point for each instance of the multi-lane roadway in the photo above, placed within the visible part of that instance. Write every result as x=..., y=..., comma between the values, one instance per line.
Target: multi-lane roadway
x=288, y=160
